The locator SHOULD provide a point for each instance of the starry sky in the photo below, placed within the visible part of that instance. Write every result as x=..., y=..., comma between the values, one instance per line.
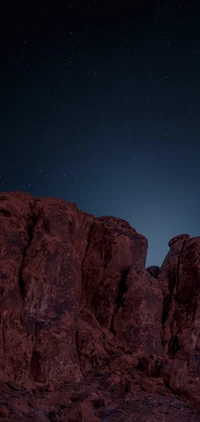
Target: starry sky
x=100, y=105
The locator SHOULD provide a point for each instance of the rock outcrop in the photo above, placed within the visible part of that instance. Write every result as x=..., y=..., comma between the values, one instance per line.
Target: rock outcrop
x=86, y=332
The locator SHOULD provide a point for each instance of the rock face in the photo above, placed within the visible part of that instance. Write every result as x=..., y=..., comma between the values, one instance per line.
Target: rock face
x=180, y=273
x=86, y=333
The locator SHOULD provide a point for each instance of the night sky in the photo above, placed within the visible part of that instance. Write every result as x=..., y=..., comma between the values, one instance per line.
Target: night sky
x=100, y=105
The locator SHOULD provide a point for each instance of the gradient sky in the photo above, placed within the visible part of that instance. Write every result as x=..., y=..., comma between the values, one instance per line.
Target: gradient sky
x=100, y=105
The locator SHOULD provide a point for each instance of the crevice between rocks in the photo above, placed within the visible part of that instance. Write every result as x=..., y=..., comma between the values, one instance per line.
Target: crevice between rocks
x=33, y=221
x=89, y=236
x=173, y=343
x=77, y=347
x=120, y=300
x=6, y=213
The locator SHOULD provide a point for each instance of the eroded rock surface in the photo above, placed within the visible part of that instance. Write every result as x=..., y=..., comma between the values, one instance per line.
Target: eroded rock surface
x=86, y=333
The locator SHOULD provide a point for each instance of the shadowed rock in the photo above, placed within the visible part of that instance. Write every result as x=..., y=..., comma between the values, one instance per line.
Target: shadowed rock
x=153, y=270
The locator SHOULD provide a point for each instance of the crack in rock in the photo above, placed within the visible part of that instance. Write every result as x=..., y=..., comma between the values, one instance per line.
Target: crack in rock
x=34, y=220
x=120, y=299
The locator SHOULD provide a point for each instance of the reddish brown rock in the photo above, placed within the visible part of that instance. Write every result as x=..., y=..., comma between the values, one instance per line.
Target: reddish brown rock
x=87, y=334
x=153, y=385
x=40, y=288
x=181, y=271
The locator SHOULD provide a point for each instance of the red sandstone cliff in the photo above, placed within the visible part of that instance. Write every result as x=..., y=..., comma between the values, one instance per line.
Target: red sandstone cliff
x=86, y=333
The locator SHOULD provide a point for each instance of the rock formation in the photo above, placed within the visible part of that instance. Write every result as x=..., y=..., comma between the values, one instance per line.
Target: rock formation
x=86, y=332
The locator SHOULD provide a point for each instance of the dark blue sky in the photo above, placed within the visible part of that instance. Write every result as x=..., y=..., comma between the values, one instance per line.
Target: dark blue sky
x=100, y=105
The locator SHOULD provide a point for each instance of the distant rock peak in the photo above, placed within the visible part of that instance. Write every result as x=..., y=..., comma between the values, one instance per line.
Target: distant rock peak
x=178, y=238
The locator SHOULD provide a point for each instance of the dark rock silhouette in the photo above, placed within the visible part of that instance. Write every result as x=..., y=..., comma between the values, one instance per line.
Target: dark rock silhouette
x=87, y=334
x=153, y=270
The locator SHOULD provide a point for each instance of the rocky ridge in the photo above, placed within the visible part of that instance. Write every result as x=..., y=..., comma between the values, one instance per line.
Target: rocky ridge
x=86, y=332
